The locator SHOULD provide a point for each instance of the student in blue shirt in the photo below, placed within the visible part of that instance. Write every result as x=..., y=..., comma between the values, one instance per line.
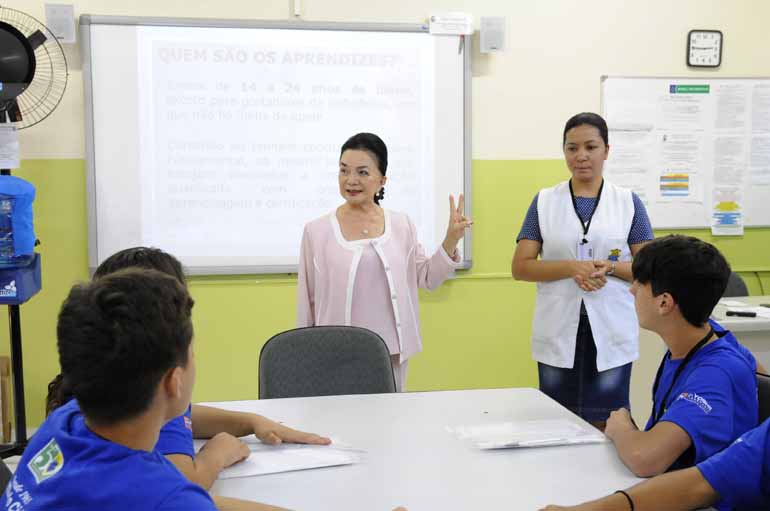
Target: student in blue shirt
x=125, y=344
x=705, y=393
x=737, y=478
x=221, y=426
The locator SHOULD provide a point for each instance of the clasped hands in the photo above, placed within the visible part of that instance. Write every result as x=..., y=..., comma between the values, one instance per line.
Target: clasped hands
x=591, y=275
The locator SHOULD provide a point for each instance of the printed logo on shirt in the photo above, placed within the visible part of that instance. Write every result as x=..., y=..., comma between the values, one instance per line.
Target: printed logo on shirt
x=16, y=496
x=614, y=255
x=697, y=400
x=47, y=462
x=188, y=422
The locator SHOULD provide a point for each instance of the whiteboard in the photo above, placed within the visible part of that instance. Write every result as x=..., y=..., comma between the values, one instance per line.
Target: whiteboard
x=696, y=150
x=217, y=140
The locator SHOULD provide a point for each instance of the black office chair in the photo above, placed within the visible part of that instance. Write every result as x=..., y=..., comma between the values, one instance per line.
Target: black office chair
x=763, y=389
x=324, y=361
x=736, y=286
x=5, y=475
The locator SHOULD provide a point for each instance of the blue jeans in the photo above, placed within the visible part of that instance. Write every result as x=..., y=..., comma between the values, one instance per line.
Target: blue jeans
x=585, y=391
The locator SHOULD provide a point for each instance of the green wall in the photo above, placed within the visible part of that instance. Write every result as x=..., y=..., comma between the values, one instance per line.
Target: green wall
x=476, y=328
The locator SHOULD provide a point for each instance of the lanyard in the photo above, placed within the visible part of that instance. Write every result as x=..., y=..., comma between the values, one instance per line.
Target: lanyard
x=656, y=415
x=585, y=225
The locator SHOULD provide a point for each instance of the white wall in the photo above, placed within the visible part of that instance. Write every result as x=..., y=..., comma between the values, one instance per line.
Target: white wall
x=556, y=52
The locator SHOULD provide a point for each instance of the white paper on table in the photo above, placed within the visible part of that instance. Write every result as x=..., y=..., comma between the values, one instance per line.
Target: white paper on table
x=733, y=303
x=536, y=433
x=272, y=459
x=9, y=147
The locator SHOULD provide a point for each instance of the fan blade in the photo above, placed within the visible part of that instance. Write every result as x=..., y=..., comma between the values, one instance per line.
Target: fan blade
x=12, y=107
x=36, y=39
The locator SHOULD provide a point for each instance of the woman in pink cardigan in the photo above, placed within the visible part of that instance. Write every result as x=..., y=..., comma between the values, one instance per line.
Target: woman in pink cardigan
x=361, y=264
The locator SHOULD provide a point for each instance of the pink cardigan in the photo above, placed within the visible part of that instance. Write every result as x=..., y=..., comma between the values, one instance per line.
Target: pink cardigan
x=327, y=273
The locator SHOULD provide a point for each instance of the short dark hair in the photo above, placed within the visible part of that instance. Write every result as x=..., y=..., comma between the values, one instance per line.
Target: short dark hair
x=373, y=145
x=142, y=257
x=591, y=119
x=59, y=390
x=692, y=271
x=118, y=336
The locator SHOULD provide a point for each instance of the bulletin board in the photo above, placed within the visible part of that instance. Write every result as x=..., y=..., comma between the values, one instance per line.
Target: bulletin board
x=695, y=150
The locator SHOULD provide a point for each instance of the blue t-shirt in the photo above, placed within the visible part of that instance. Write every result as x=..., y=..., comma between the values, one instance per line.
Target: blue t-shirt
x=67, y=467
x=176, y=437
x=741, y=473
x=714, y=399
x=641, y=230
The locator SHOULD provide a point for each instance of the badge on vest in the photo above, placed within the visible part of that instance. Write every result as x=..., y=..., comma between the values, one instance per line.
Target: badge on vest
x=585, y=251
x=614, y=255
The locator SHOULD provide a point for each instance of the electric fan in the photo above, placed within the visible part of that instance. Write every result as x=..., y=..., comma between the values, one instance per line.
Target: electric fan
x=33, y=69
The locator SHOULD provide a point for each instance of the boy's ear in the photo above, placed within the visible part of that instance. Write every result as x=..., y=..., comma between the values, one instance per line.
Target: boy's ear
x=666, y=304
x=172, y=383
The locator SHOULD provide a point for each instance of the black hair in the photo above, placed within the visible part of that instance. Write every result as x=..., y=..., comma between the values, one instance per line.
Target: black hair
x=591, y=119
x=118, y=336
x=59, y=390
x=142, y=257
x=692, y=271
x=59, y=393
x=373, y=145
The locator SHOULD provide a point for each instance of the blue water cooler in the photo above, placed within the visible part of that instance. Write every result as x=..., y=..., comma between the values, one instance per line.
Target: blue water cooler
x=19, y=281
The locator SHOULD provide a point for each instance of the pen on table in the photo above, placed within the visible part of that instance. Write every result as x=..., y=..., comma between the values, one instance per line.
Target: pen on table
x=742, y=314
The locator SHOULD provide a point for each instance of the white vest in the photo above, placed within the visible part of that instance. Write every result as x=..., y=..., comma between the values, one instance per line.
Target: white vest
x=611, y=309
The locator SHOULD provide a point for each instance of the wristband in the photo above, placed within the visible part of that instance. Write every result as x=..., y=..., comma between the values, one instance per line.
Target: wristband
x=627, y=496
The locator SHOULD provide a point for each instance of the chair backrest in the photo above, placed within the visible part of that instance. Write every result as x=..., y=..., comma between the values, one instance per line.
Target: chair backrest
x=763, y=388
x=324, y=361
x=736, y=286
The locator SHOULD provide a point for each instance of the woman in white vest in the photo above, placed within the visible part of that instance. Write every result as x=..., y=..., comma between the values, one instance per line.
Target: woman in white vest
x=585, y=231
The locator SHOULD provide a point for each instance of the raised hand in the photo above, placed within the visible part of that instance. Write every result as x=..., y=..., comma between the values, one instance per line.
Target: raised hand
x=458, y=222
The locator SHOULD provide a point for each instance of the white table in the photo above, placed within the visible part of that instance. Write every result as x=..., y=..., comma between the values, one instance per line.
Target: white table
x=413, y=461
x=754, y=333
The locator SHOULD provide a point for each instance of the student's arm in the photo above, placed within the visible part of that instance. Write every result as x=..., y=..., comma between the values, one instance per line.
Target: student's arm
x=208, y=421
x=228, y=504
x=646, y=453
x=526, y=266
x=679, y=490
x=218, y=453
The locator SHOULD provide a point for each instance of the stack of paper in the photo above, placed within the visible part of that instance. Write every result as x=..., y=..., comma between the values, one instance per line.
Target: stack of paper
x=272, y=459
x=528, y=434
